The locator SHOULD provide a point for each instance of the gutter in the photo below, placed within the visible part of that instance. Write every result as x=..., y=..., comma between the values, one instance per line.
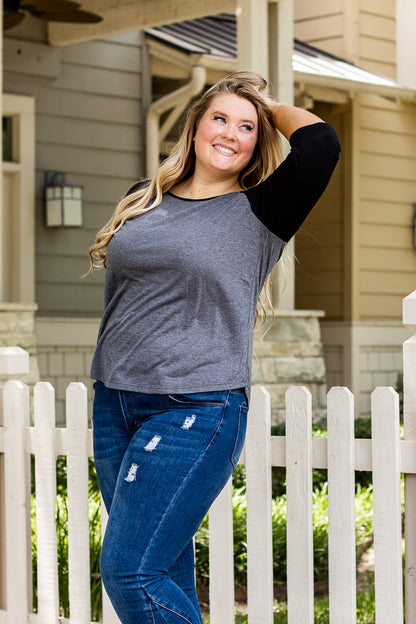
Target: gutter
x=177, y=101
x=355, y=86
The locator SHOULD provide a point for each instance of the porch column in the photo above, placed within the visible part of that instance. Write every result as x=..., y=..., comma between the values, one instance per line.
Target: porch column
x=265, y=45
x=281, y=34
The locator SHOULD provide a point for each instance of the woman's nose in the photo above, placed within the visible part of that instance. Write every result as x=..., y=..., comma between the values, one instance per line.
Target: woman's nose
x=229, y=132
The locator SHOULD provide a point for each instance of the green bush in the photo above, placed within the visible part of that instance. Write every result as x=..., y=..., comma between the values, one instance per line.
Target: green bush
x=364, y=527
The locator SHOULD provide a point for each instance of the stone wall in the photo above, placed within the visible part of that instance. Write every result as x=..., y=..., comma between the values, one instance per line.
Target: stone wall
x=17, y=329
x=291, y=353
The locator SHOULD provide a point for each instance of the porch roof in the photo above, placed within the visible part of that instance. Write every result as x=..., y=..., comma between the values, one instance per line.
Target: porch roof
x=214, y=40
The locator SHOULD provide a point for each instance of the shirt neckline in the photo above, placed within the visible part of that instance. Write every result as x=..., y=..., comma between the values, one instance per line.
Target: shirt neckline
x=189, y=199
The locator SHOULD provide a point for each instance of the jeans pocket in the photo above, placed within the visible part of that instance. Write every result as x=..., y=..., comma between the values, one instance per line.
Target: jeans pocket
x=240, y=435
x=199, y=398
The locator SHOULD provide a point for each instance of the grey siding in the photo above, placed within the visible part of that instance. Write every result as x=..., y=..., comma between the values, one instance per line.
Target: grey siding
x=89, y=125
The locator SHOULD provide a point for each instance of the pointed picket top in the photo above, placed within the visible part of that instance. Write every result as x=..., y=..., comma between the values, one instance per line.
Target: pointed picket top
x=76, y=402
x=44, y=403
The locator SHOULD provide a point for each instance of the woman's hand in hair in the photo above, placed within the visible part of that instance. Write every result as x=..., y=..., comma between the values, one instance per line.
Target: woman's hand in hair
x=288, y=118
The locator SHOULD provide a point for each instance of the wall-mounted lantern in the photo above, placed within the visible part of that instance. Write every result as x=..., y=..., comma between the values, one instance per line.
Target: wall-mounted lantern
x=63, y=202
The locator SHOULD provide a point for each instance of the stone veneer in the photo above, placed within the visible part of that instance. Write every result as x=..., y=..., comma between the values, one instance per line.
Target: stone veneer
x=291, y=353
x=17, y=329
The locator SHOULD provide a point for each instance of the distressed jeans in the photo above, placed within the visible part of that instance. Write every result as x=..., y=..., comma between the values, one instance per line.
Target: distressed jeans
x=161, y=460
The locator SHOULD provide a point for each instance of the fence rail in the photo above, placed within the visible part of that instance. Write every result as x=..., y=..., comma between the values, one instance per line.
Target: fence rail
x=385, y=454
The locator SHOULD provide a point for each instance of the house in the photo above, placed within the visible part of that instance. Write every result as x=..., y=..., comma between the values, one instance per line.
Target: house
x=77, y=102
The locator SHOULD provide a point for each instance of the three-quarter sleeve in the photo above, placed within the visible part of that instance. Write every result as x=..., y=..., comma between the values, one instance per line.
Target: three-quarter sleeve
x=283, y=201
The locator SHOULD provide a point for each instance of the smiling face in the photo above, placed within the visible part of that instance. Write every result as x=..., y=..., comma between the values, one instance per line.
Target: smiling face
x=225, y=137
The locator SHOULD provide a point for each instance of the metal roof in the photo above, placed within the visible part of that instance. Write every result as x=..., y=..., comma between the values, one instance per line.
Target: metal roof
x=216, y=36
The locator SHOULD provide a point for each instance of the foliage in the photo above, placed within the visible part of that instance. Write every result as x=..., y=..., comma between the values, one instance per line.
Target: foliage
x=94, y=512
x=365, y=610
x=364, y=527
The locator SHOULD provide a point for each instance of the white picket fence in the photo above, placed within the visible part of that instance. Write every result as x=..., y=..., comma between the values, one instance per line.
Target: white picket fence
x=385, y=454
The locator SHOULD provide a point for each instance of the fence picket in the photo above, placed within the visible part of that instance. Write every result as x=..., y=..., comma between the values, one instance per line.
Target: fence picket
x=300, y=590
x=45, y=481
x=221, y=558
x=17, y=502
x=259, y=510
x=78, y=525
x=409, y=422
x=385, y=425
x=341, y=506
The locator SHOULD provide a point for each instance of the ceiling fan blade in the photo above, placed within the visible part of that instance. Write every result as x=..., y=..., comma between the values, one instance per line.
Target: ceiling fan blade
x=75, y=17
x=10, y=21
x=54, y=6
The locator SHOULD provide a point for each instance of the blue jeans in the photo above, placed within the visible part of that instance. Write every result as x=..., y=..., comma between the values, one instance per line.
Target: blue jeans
x=161, y=460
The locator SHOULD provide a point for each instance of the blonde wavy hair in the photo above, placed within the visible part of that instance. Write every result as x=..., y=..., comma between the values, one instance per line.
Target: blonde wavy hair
x=180, y=164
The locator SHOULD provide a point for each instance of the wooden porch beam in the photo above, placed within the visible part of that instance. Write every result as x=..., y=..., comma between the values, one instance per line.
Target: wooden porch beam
x=127, y=15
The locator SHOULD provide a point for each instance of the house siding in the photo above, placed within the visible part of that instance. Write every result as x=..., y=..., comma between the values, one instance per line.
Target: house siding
x=89, y=125
x=386, y=137
x=320, y=241
x=361, y=32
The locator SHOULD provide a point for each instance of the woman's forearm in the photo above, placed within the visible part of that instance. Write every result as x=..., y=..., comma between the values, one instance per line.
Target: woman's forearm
x=288, y=118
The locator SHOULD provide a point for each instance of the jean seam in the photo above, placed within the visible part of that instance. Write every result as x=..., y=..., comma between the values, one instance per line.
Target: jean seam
x=122, y=408
x=170, y=610
x=151, y=609
x=237, y=436
x=220, y=423
x=178, y=491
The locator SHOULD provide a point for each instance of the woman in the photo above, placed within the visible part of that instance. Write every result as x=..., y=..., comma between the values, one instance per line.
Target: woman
x=187, y=254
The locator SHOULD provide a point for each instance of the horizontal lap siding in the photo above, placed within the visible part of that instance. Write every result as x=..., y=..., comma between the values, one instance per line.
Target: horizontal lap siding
x=387, y=190
x=377, y=36
x=89, y=125
x=320, y=23
x=319, y=243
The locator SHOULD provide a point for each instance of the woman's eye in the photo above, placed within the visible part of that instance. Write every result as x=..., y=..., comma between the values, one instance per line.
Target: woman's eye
x=248, y=127
x=219, y=118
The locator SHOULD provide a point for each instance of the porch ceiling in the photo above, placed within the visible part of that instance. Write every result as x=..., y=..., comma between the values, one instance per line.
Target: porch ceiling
x=127, y=15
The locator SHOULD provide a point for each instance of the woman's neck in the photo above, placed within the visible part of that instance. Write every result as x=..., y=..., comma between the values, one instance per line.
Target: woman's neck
x=198, y=189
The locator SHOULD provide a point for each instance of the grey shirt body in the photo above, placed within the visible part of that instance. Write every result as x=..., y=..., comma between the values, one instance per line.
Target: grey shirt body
x=183, y=279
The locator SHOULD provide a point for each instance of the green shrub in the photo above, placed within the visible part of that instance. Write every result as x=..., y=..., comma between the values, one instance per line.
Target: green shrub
x=364, y=527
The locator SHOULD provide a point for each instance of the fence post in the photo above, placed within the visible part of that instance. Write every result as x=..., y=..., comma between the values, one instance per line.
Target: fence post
x=259, y=509
x=409, y=410
x=15, y=584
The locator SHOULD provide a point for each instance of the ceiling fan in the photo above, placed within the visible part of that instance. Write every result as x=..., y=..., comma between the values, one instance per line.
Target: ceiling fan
x=14, y=12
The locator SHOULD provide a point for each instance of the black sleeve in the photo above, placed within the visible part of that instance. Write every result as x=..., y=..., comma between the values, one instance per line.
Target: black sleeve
x=283, y=201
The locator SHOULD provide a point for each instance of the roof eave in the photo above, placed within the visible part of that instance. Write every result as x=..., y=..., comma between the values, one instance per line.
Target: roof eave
x=355, y=86
x=217, y=65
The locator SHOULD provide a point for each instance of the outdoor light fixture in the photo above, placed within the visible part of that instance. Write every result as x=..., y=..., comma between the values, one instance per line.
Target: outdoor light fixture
x=63, y=201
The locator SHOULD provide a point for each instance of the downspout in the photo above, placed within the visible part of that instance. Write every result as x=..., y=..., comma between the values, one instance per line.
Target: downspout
x=177, y=100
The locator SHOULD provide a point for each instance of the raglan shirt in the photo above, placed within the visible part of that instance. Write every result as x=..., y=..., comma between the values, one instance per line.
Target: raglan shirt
x=182, y=280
